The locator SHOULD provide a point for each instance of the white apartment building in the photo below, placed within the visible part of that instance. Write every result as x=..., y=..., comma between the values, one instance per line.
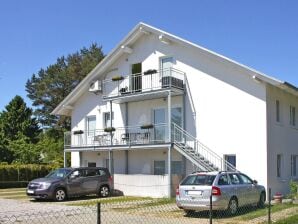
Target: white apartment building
x=159, y=107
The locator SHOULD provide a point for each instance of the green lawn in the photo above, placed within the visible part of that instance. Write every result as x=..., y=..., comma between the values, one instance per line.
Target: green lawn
x=255, y=213
x=290, y=220
x=13, y=193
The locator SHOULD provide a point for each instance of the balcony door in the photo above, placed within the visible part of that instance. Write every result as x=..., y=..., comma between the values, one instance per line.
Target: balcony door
x=166, y=63
x=159, y=120
x=136, y=77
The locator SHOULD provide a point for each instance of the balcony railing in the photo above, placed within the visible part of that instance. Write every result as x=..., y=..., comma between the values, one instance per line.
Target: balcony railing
x=122, y=136
x=151, y=80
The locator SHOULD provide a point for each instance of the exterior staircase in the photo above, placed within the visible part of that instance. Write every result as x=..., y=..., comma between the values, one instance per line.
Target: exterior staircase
x=200, y=155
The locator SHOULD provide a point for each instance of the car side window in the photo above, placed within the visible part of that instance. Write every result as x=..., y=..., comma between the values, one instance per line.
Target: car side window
x=245, y=179
x=223, y=180
x=76, y=174
x=235, y=178
x=91, y=173
x=101, y=173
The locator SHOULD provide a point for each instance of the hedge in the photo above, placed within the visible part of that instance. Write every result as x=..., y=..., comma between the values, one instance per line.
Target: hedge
x=17, y=175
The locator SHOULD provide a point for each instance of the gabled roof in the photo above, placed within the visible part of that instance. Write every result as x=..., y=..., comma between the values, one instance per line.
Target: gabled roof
x=143, y=29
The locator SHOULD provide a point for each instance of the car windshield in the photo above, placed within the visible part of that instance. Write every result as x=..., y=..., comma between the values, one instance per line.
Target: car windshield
x=199, y=180
x=60, y=173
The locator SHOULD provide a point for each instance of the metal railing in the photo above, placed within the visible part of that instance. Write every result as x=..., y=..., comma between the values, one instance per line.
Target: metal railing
x=199, y=152
x=150, y=80
x=129, y=135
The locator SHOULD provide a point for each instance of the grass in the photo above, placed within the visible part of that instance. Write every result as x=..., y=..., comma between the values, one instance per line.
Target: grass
x=290, y=220
x=264, y=211
x=147, y=204
x=108, y=200
x=13, y=193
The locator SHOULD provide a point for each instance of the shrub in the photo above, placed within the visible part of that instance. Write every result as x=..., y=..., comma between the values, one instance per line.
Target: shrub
x=294, y=189
x=18, y=175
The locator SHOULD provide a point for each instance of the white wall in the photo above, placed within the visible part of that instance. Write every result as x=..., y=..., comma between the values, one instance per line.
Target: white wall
x=142, y=185
x=230, y=106
x=282, y=139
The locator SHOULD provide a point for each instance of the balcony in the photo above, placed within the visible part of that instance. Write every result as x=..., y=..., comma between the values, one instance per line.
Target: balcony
x=121, y=137
x=151, y=84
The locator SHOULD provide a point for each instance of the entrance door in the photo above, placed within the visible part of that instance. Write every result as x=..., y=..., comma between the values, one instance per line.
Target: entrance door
x=136, y=77
x=159, y=120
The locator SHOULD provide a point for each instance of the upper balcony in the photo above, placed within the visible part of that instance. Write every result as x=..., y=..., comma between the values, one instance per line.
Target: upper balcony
x=151, y=84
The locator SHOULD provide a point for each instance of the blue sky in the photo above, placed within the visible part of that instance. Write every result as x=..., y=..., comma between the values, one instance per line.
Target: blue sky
x=33, y=33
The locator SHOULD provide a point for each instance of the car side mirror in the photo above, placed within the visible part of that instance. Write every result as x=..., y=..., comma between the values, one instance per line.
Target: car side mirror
x=255, y=182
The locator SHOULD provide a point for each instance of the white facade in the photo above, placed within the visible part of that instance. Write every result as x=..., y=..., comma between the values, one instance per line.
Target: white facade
x=226, y=106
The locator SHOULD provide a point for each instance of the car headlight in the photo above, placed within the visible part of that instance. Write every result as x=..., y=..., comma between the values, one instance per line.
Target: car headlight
x=44, y=186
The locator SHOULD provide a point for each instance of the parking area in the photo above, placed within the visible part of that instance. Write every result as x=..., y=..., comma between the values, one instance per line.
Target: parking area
x=17, y=207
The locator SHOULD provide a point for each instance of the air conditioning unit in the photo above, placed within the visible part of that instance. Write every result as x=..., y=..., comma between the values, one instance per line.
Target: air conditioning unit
x=95, y=86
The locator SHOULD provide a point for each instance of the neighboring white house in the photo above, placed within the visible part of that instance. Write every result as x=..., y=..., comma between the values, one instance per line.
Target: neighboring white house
x=179, y=107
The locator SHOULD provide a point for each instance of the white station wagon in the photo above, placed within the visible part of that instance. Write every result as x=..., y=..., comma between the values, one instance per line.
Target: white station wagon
x=229, y=190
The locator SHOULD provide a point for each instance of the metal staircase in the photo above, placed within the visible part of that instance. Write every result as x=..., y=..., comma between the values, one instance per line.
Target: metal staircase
x=200, y=155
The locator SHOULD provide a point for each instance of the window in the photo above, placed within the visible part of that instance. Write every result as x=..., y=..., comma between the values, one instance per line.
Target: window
x=294, y=161
x=223, y=180
x=231, y=159
x=107, y=119
x=199, y=180
x=292, y=116
x=176, y=167
x=279, y=165
x=234, y=178
x=91, y=173
x=159, y=167
x=245, y=179
x=91, y=125
x=277, y=111
x=91, y=164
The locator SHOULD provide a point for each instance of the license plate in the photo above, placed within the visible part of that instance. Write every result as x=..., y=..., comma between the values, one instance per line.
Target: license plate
x=194, y=192
x=30, y=192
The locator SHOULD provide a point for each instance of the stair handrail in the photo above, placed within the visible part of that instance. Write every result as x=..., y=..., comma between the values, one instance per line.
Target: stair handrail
x=204, y=147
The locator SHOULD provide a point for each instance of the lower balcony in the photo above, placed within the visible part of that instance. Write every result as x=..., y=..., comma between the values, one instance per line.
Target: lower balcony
x=117, y=137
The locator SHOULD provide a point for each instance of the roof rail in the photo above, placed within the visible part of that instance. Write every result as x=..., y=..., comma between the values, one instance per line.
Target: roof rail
x=201, y=171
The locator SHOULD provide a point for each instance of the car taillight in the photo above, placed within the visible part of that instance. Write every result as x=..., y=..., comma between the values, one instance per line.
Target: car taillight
x=177, y=191
x=216, y=191
x=110, y=179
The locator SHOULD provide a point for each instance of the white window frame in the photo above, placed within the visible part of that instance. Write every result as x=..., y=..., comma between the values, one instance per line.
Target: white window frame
x=225, y=159
x=279, y=165
x=105, y=123
x=89, y=133
x=164, y=162
x=277, y=111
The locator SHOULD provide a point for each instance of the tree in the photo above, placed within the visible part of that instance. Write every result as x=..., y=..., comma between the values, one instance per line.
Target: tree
x=50, y=86
x=18, y=130
x=17, y=121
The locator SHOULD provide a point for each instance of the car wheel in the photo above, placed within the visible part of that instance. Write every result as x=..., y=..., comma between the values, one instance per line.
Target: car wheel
x=60, y=194
x=233, y=206
x=262, y=200
x=104, y=191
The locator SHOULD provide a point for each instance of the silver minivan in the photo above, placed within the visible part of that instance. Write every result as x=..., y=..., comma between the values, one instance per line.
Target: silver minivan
x=229, y=191
x=70, y=182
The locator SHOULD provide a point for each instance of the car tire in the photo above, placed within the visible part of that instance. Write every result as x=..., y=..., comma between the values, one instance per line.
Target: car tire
x=59, y=194
x=189, y=213
x=104, y=191
x=262, y=200
x=233, y=206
